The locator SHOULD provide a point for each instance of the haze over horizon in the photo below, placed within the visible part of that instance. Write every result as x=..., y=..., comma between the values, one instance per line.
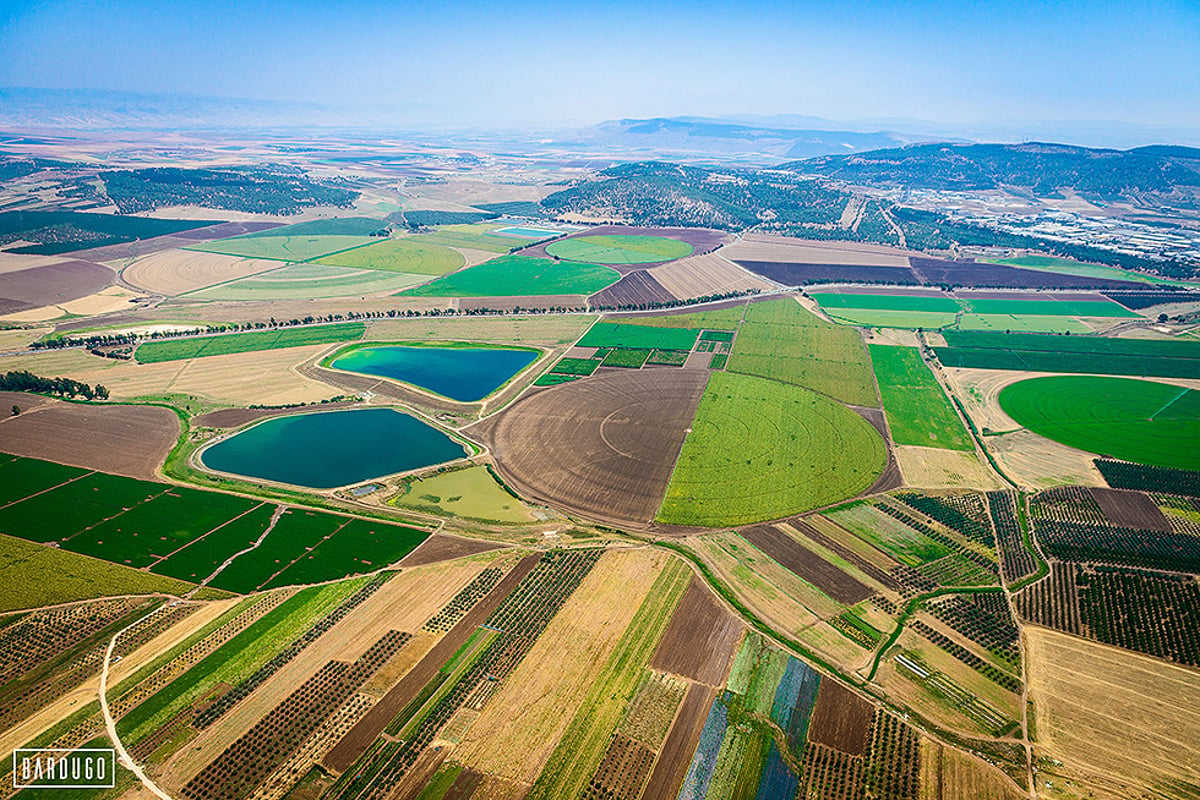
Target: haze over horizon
x=1013, y=70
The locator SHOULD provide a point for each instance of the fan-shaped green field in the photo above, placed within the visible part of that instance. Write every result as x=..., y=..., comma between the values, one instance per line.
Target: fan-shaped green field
x=1133, y=420
x=760, y=449
x=619, y=249
x=410, y=256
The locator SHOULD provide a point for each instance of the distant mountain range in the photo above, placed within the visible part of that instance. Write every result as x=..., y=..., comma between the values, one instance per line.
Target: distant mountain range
x=699, y=136
x=1040, y=167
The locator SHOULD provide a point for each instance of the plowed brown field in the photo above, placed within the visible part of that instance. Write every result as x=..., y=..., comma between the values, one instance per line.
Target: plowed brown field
x=603, y=446
x=700, y=640
x=127, y=440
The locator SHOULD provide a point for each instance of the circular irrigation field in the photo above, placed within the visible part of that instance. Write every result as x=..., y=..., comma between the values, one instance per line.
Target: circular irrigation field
x=1130, y=419
x=619, y=249
x=762, y=450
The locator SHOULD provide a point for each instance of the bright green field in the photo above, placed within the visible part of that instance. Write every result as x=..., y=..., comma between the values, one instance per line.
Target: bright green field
x=1133, y=420
x=619, y=249
x=470, y=492
x=726, y=319
x=1048, y=307
x=616, y=334
x=309, y=281
x=887, y=302
x=194, y=347
x=870, y=318
x=33, y=575
x=780, y=339
x=410, y=256
x=1021, y=324
x=918, y=411
x=1066, y=266
x=283, y=248
x=518, y=276
x=760, y=449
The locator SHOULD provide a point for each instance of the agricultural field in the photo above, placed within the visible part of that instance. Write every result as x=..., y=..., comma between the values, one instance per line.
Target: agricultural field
x=1141, y=421
x=480, y=236
x=406, y=255
x=604, y=446
x=279, y=245
x=619, y=249
x=725, y=545
x=188, y=534
x=470, y=492
x=1074, y=354
x=520, y=276
x=45, y=229
x=308, y=281
x=918, y=411
x=781, y=340
x=198, y=346
x=34, y=576
x=1066, y=266
x=756, y=449
x=176, y=272
x=1111, y=721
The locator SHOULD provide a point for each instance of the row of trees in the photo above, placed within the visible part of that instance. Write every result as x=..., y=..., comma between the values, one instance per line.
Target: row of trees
x=22, y=381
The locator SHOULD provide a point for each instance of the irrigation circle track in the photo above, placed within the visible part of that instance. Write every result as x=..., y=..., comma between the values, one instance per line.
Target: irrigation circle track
x=1133, y=420
x=619, y=249
x=603, y=446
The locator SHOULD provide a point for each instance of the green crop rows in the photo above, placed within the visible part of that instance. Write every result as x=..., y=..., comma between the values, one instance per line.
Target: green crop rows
x=620, y=249
x=411, y=256
x=759, y=449
x=646, y=337
x=519, y=276
x=197, y=346
x=779, y=339
x=918, y=411
x=1046, y=353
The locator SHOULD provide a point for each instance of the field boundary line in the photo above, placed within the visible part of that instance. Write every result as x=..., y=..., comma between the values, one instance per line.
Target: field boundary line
x=208, y=533
x=51, y=488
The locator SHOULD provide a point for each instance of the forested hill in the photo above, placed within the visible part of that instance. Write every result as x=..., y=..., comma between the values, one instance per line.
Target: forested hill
x=1044, y=168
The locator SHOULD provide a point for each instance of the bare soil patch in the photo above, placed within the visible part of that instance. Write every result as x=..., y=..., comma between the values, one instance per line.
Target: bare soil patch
x=636, y=288
x=711, y=273
x=841, y=719
x=700, y=640
x=790, y=273
x=603, y=446
x=1131, y=509
x=806, y=564
x=172, y=272
x=444, y=547
x=676, y=753
x=127, y=440
x=52, y=284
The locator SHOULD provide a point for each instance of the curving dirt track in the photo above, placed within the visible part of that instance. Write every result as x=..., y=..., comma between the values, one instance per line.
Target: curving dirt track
x=603, y=447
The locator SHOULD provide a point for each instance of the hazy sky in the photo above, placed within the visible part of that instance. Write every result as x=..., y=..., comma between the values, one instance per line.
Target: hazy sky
x=529, y=63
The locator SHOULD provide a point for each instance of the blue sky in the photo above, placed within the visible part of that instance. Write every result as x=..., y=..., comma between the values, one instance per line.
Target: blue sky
x=537, y=64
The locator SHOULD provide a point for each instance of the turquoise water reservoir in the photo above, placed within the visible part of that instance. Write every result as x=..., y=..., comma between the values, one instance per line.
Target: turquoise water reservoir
x=465, y=374
x=332, y=448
